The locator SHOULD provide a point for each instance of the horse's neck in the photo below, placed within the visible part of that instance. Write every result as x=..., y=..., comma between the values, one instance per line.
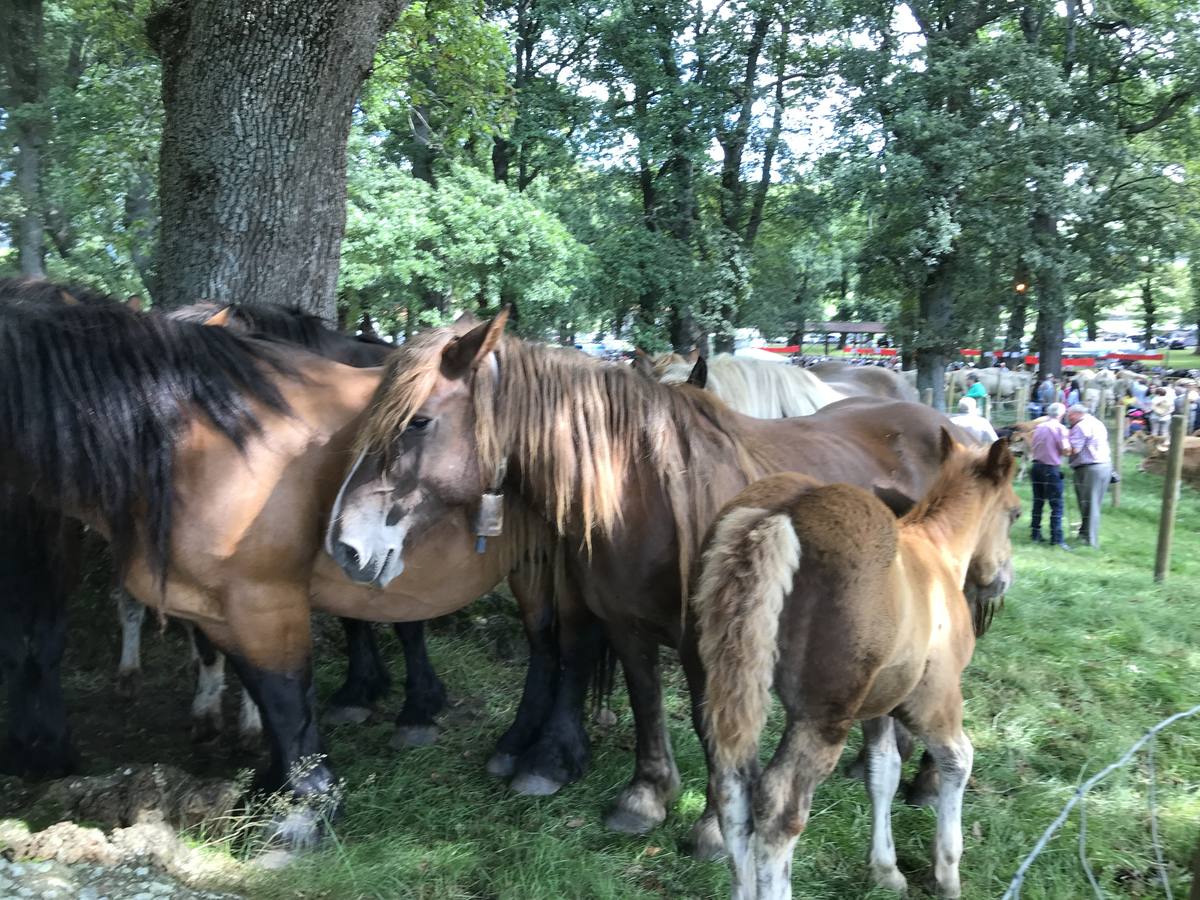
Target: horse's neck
x=950, y=526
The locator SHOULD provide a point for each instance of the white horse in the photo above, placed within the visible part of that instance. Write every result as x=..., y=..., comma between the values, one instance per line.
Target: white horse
x=763, y=389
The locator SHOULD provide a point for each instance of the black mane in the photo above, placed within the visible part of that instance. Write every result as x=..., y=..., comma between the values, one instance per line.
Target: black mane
x=294, y=326
x=39, y=290
x=94, y=398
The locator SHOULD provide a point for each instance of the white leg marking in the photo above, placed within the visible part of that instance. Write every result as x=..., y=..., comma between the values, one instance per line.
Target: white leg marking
x=131, y=615
x=773, y=861
x=249, y=718
x=954, y=765
x=883, y=778
x=210, y=683
x=737, y=828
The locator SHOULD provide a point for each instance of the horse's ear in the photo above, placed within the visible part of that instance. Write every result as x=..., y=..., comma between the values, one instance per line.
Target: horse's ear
x=220, y=319
x=1000, y=463
x=692, y=355
x=947, y=444
x=643, y=364
x=133, y=302
x=466, y=319
x=68, y=298
x=467, y=351
x=699, y=374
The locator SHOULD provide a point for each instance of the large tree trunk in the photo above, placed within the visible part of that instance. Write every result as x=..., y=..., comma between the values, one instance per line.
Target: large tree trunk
x=21, y=39
x=258, y=97
x=1052, y=300
x=935, y=308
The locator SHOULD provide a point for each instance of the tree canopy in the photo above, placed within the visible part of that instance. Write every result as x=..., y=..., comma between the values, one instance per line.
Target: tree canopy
x=673, y=171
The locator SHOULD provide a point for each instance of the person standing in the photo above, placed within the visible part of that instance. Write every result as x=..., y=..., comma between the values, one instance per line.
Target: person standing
x=1045, y=394
x=978, y=393
x=968, y=419
x=1091, y=463
x=1047, y=445
x=1161, y=407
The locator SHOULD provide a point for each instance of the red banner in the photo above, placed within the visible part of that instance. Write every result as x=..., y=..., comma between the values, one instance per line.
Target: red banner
x=1152, y=357
x=794, y=348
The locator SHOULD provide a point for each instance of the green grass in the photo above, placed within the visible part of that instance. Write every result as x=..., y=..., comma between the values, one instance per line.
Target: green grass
x=1087, y=654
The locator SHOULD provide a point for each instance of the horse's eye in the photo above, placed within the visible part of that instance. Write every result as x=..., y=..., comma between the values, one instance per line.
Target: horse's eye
x=417, y=424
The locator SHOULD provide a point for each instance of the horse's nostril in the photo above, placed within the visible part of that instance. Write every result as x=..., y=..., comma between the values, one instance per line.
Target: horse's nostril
x=348, y=554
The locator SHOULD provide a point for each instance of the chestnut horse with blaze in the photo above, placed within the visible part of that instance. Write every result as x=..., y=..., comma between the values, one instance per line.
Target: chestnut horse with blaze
x=210, y=461
x=852, y=616
x=627, y=471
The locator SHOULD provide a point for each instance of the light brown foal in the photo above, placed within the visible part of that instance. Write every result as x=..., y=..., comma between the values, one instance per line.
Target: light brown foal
x=851, y=616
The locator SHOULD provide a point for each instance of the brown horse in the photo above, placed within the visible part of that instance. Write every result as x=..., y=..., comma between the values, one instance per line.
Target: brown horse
x=628, y=471
x=851, y=616
x=210, y=462
x=854, y=381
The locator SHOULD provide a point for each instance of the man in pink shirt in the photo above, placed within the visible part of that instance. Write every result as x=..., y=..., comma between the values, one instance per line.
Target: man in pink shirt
x=1091, y=462
x=1047, y=445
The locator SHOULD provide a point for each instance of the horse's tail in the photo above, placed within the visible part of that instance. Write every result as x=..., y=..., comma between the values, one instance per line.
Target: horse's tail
x=745, y=576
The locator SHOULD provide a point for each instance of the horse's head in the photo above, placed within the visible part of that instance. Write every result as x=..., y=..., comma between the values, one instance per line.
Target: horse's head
x=418, y=456
x=990, y=571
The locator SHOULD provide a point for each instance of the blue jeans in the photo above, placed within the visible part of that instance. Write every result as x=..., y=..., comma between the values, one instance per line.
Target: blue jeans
x=1048, y=488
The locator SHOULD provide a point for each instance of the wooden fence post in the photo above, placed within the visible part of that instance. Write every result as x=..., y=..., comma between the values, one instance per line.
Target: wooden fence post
x=1118, y=451
x=1166, y=522
x=927, y=396
x=951, y=409
x=1022, y=402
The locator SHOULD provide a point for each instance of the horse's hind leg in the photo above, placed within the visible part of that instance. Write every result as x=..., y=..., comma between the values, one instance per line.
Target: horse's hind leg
x=130, y=615
x=883, y=777
x=923, y=789
x=250, y=726
x=210, y=685
x=783, y=797
x=367, y=678
x=727, y=795
x=424, y=693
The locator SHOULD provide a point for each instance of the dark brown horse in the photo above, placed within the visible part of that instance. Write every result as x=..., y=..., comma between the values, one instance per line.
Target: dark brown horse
x=851, y=615
x=210, y=462
x=628, y=471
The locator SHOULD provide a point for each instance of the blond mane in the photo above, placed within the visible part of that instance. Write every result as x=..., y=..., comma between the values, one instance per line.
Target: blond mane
x=755, y=387
x=578, y=429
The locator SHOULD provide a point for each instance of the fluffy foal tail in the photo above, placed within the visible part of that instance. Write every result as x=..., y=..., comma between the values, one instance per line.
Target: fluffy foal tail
x=745, y=576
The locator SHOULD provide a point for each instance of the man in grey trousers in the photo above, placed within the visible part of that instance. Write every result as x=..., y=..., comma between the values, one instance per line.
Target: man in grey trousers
x=1091, y=462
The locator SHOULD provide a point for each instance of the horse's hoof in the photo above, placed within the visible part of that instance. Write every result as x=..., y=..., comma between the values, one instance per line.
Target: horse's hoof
x=347, y=715
x=889, y=879
x=298, y=829
x=705, y=842
x=529, y=785
x=128, y=683
x=950, y=889
x=626, y=822
x=502, y=765
x=414, y=736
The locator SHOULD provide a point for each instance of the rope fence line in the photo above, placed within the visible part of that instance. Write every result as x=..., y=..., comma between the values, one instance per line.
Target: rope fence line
x=1079, y=798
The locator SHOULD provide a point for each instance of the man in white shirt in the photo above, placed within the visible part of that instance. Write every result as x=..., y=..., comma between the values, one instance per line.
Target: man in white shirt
x=968, y=419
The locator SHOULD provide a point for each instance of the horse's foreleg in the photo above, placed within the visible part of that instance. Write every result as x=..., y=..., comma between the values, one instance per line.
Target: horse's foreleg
x=561, y=751
x=424, y=693
x=367, y=677
x=298, y=768
x=883, y=777
x=541, y=676
x=643, y=803
x=131, y=615
x=210, y=685
x=39, y=559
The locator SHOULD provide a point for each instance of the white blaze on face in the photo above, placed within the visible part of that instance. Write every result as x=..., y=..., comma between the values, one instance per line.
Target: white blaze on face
x=359, y=525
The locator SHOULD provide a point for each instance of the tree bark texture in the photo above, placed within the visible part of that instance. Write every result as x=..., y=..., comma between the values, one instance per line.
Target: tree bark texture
x=21, y=37
x=1051, y=297
x=935, y=311
x=258, y=96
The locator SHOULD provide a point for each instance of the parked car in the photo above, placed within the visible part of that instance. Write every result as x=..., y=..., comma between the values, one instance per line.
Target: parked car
x=1182, y=339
